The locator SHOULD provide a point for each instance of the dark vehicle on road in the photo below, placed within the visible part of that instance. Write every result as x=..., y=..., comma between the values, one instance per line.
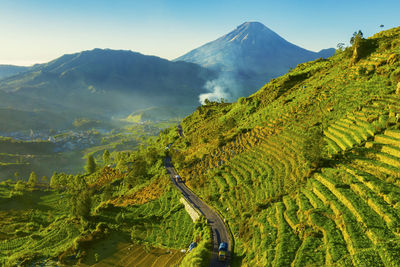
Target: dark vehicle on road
x=192, y=246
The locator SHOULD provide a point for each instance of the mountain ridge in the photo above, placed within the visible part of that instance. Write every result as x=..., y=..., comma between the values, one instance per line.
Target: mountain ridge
x=110, y=81
x=10, y=70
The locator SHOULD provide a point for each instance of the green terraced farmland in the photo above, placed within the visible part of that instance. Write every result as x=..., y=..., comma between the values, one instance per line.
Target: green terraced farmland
x=306, y=171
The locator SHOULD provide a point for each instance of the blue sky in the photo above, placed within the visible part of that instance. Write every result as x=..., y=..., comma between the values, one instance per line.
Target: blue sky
x=36, y=31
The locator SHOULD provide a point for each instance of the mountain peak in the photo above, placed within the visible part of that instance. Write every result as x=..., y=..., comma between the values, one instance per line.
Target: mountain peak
x=252, y=25
x=249, y=32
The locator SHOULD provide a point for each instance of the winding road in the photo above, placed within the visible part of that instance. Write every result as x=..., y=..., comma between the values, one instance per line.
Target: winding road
x=219, y=231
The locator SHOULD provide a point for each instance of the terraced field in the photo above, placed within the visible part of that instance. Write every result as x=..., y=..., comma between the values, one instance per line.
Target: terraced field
x=39, y=228
x=344, y=214
x=356, y=128
x=141, y=256
x=56, y=238
x=260, y=165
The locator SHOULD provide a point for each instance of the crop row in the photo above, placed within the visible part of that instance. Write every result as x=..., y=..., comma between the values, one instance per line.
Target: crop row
x=360, y=125
x=287, y=242
x=53, y=240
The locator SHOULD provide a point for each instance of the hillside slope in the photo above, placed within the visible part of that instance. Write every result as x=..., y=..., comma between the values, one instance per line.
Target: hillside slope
x=306, y=170
x=250, y=55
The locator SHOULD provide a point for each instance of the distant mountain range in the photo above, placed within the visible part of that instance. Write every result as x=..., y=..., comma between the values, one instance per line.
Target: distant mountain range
x=104, y=83
x=248, y=57
x=10, y=70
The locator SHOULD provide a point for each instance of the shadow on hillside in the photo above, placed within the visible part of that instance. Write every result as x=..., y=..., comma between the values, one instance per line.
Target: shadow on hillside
x=29, y=200
x=237, y=260
x=109, y=250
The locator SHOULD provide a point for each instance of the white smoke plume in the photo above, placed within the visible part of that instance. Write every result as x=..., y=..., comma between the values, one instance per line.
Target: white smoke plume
x=217, y=90
x=225, y=86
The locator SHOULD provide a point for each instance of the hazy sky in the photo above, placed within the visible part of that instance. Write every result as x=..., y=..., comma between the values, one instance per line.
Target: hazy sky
x=36, y=31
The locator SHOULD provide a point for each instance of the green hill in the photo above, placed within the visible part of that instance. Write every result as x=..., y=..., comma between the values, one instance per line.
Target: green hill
x=155, y=114
x=306, y=171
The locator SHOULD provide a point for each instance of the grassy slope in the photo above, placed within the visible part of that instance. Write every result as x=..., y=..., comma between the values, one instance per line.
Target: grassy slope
x=257, y=161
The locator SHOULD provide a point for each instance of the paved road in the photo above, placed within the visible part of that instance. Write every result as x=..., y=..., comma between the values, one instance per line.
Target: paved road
x=219, y=231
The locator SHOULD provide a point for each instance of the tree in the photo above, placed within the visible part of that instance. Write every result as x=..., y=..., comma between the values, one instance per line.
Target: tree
x=356, y=36
x=361, y=46
x=340, y=46
x=107, y=193
x=57, y=181
x=106, y=157
x=139, y=171
x=19, y=186
x=81, y=204
x=54, y=180
x=33, y=179
x=90, y=165
x=16, y=175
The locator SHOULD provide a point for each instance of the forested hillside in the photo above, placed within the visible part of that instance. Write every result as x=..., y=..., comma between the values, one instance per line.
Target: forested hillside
x=306, y=171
